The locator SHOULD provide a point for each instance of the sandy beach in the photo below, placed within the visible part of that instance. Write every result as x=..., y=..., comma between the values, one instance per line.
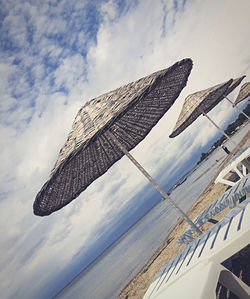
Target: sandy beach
x=169, y=248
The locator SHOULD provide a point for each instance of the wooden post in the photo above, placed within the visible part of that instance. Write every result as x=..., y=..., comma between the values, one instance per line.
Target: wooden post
x=152, y=181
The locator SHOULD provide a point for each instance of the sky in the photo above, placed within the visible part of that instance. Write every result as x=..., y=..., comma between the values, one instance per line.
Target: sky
x=55, y=56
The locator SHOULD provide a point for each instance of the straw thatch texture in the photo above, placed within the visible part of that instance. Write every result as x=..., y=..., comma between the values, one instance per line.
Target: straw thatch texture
x=196, y=103
x=243, y=94
x=129, y=112
x=236, y=82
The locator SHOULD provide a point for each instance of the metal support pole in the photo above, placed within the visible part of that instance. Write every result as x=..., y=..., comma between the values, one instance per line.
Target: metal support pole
x=238, y=108
x=152, y=181
x=245, y=161
x=223, y=132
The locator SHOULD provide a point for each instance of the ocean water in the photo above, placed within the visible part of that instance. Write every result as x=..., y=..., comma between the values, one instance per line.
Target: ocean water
x=111, y=272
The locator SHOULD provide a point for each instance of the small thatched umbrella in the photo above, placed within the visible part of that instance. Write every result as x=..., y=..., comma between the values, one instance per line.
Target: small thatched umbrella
x=202, y=102
x=243, y=94
x=199, y=103
x=105, y=129
x=235, y=83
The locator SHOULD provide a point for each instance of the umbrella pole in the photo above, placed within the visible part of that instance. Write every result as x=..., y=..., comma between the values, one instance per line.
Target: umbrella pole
x=223, y=132
x=245, y=162
x=238, y=108
x=155, y=184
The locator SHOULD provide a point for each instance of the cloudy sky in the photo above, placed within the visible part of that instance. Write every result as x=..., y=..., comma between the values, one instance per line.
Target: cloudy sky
x=56, y=55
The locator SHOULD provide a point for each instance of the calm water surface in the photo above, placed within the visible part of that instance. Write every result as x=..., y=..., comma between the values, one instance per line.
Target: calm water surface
x=113, y=270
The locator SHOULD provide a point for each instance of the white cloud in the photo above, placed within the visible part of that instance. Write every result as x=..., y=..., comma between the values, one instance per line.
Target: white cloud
x=16, y=33
x=70, y=71
x=109, y=10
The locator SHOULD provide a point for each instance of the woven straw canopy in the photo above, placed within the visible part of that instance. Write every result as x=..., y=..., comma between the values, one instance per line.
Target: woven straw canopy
x=236, y=82
x=243, y=94
x=196, y=103
x=129, y=112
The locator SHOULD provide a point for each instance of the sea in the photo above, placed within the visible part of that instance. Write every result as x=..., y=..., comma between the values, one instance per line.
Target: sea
x=106, y=277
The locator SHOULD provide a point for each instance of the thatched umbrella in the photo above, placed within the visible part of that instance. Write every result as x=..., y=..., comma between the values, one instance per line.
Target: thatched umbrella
x=198, y=103
x=105, y=129
x=235, y=83
x=243, y=94
x=202, y=102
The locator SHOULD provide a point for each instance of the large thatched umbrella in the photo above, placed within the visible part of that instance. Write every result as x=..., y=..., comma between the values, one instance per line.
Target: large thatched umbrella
x=105, y=129
x=198, y=103
x=243, y=94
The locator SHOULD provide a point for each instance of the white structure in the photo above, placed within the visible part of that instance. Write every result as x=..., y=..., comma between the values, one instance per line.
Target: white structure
x=227, y=199
x=195, y=272
x=233, y=165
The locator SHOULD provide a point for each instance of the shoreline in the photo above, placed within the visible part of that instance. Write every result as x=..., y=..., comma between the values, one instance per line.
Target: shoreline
x=138, y=286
